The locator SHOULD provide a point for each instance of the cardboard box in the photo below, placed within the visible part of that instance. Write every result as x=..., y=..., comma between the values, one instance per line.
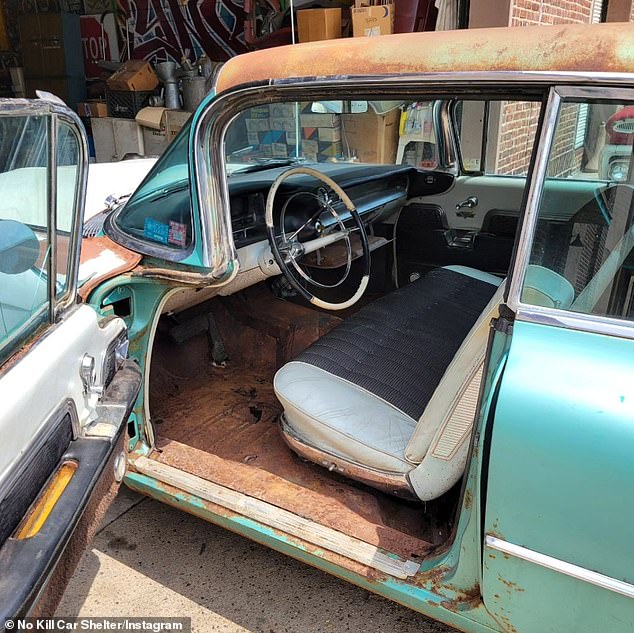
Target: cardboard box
x=330, y=150
x=152, y=122
x=116, y=138
x=259, y=112
x=257, y=125
x=287, y=124
x=372, y=21
x=329, y=134
x=318, y=24
x=320, y=120
x=155, y=142
x=93, y=109
x=153, y=118
x=310, y=147
x=372, y=137
x=135, y=75
x=174, y=121
x=282, y=110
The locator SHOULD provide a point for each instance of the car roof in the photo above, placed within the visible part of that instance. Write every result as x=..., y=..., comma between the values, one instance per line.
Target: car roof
x=581, y=48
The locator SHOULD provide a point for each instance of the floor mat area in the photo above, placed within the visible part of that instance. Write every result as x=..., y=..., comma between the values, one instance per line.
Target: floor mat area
x=221, y=424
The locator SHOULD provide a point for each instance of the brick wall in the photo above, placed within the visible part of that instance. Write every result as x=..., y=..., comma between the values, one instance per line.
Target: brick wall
x=531, y=12
x=518, y=121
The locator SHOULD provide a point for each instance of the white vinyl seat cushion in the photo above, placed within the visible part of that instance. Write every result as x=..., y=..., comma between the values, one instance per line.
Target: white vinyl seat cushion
x=343, y=419
x=362, y=392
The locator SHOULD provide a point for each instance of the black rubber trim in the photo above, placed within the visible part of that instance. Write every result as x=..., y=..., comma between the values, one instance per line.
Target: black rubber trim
x=25, y=565
x=34, y=468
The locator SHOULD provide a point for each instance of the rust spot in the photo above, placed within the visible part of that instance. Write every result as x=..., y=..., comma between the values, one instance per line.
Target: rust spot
x=505, y=624
x=510, y=585
x=468, y=499
x=190, y=278
x=432, y=579
x=570, y=47
x=464, y=600
x=93, y=247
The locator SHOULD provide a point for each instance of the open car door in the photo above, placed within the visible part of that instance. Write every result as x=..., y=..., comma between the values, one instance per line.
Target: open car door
x=557, y=527
x=66, y=385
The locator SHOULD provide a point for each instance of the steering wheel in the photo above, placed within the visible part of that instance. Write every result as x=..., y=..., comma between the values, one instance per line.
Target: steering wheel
x=289, y=251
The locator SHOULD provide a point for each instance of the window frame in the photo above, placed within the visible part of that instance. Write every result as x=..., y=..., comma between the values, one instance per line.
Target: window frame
x=55, y=307
x=544, y=315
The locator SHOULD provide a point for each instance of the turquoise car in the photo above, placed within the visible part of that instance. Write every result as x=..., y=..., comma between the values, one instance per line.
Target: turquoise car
x=382, y=299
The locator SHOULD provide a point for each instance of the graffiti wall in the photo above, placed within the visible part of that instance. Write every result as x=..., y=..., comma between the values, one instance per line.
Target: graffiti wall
x=160, y=30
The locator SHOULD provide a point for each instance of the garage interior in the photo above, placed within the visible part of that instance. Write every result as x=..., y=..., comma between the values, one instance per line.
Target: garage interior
x=135, y=71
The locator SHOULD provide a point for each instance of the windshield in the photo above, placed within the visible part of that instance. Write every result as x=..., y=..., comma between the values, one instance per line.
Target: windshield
x=159, y=210
x=284, y=134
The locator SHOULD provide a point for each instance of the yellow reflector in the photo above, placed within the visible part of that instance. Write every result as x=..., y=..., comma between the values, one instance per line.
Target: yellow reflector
x=45, y=503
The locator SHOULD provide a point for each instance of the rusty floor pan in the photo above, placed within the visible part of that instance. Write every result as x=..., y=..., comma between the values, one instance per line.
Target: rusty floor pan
x=221, y=424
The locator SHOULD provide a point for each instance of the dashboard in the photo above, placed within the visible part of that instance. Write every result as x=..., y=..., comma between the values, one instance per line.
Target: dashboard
x=378, y=191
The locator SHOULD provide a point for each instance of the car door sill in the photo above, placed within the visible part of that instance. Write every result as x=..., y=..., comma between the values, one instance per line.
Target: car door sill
x=277, y=518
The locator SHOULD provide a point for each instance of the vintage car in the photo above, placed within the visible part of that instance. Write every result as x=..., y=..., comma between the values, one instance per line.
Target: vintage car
x=383, y=306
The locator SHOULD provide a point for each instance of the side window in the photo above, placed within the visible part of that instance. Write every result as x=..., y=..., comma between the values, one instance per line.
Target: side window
x=25, y=223
x=582, y=256
x=496, y=137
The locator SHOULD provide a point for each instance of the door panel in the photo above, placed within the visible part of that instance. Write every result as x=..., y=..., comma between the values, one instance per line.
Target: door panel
x=48, y=379
x=65, y=385
x=559, y=484
x=432, y=232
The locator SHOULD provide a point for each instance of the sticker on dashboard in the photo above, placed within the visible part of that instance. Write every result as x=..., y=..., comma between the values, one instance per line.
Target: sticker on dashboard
x=156, y=231
x=177, y=233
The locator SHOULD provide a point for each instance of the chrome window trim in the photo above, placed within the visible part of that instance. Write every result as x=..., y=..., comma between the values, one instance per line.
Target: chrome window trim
x=69, y=298
x=217, y=113
x=466, y=78
x=533, y=199
x=578, y=321
x=51, y=229
x=551, y=316
x=560, y=566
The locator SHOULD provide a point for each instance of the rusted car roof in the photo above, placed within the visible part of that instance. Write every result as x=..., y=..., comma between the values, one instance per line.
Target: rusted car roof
x=570, y=47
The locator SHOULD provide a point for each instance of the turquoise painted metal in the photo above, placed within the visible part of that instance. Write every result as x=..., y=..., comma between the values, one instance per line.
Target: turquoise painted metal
x=431, y=595
x=448, y=586
x=560, y=480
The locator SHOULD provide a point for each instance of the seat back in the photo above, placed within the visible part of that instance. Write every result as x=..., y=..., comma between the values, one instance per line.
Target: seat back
x=448, y=417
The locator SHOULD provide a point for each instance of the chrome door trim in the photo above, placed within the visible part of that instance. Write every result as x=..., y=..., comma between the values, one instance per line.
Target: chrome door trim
x=533, y=199
x=552, y=316
x=560, y=566
x=609, y=326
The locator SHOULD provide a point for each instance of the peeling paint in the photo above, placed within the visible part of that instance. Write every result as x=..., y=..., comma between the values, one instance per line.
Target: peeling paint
x=561, y=48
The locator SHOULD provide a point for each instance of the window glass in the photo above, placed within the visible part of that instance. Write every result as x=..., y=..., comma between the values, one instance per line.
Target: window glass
x=67, y=182
x=500, y=132
x=371, y=132
x=24, y=246
x=582, y=257
x=160, y=210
